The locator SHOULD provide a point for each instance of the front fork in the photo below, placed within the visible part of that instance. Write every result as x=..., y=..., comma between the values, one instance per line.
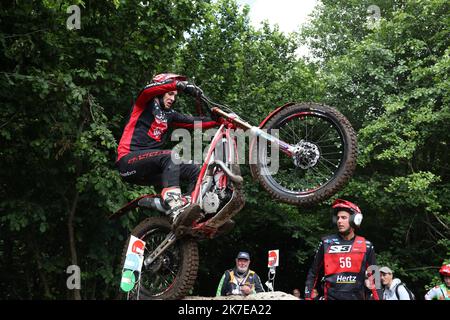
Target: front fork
x=284, y=147
x=167, y=242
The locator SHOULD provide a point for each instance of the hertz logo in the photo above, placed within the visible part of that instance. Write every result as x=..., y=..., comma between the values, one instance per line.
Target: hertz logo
x=346, y=279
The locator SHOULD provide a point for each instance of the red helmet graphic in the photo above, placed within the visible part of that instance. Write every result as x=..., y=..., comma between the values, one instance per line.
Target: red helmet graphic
x=445, y=270
x=166, y=76
x=138, y=247
x=355, y=213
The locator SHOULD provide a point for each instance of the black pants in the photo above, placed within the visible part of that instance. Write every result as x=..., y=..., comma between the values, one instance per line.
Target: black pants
x=155, y=167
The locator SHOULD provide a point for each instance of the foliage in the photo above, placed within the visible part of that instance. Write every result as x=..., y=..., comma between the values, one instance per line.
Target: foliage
x=392, y=81
x=65, y=94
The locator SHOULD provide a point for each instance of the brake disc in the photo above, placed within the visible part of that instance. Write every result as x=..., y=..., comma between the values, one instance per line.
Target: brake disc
x=306, y=154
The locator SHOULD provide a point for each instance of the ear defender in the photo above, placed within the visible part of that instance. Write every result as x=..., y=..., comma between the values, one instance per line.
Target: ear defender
x=356, y=216
x=355, y=220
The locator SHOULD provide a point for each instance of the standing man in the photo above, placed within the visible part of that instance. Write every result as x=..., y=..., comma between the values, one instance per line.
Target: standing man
x=394, y=288
x=343, y=258
x=240, y=280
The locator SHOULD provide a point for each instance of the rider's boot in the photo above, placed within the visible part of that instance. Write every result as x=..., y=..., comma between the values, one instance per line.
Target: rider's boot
x=154, y=203
x=180, y=209
x=173, y=200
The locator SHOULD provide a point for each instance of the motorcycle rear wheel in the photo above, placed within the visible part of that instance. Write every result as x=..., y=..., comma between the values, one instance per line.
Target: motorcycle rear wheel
x=172, y=275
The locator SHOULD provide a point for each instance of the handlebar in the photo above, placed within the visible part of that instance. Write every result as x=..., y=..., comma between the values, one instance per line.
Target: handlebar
x=229, y=116
x=208, y=101
x=213, y=105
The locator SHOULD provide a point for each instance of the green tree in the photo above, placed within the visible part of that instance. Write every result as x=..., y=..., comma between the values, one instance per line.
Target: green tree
x=392, y=82
x=65, y=94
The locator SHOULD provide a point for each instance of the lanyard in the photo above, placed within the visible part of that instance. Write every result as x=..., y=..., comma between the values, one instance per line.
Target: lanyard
x=243, y=280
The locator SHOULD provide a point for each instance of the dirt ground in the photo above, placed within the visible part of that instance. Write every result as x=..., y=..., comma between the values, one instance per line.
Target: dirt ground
x=277, y=295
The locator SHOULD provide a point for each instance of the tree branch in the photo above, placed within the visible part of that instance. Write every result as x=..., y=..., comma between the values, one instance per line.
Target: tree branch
x=24, y=34
x=409, y=228
x=440, y=221
x=434, y=229
x=8, y=121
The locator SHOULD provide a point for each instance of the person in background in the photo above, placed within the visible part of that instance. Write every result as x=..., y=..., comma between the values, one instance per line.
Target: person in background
x=394, y=288
x=296, y=293
x=342, y=258
x=240, y=280
x=442, y=291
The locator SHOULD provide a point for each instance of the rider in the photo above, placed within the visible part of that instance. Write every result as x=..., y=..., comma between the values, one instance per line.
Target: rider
x=441, y=292
x=342, y=258
x=141, y=156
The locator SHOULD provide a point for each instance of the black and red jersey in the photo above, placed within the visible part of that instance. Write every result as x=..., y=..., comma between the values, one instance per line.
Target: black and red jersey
x=149, y=121
x=341, y=265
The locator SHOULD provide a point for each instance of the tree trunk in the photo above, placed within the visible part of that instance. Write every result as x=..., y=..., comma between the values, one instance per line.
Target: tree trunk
x=73, y=208
x=72, y=245
x=42, y=276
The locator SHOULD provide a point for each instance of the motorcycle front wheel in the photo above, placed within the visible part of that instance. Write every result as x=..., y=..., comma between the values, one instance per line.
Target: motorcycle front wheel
x=324, y=159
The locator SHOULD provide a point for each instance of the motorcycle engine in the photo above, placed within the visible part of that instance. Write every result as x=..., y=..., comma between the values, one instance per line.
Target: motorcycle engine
x=219, y=194
x=211, y=202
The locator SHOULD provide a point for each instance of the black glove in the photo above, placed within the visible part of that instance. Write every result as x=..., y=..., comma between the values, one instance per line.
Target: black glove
x=181, y=85
x=193, y=90
x=188, y=88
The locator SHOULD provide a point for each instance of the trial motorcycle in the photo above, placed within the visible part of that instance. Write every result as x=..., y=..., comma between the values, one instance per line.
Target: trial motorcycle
x=316, y=148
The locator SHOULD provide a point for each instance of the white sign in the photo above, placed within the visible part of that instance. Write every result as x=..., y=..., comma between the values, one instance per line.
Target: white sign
x=135, y=254
x=274, y=257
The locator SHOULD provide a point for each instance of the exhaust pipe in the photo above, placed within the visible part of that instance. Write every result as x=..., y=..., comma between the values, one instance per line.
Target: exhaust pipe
x=233, y=177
